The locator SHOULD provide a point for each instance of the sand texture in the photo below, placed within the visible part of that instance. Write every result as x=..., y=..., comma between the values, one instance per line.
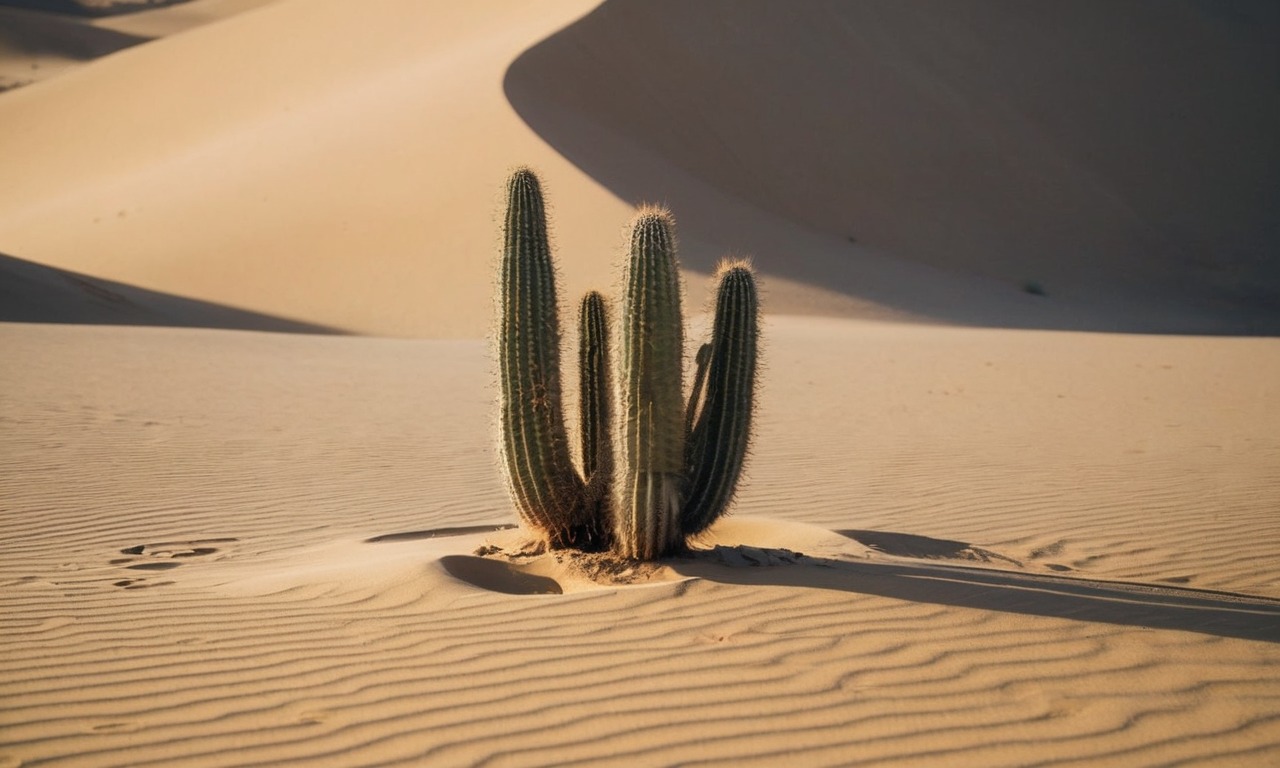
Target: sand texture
x=1014, y=497
x=237, y=548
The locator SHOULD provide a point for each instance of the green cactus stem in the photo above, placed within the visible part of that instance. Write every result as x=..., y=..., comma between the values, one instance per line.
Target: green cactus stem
x=721, y=429
x=650, y=434
x=595, y=407
x=549, y=495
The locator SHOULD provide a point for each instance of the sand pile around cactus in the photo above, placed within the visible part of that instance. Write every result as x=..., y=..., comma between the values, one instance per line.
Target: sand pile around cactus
x=224, y=548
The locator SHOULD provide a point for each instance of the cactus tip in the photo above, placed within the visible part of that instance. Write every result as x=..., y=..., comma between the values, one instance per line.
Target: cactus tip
x=734, y=264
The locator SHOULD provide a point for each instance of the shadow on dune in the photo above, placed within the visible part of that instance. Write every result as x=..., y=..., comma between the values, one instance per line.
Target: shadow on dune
x=83, y=8
x=1133, y=605
x=1100, y=165
x=33, y=293
x=35, y=34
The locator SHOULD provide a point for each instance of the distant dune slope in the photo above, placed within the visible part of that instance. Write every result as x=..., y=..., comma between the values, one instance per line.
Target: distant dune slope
x=40, y=43
x=34, y=46
x=331, y=161
x=1111, y=151
x=91, y=7
x=33, y=293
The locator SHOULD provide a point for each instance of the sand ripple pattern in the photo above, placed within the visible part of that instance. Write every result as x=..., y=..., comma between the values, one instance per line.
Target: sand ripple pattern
x=282, y=492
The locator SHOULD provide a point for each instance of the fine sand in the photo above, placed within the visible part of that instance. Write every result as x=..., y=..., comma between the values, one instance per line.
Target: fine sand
x=980, y=525
x=962, y=547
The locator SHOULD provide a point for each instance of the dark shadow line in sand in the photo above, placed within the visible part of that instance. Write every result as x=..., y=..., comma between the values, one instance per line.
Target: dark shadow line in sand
x=1134, y=605
x=914, y=545
x=437, y=533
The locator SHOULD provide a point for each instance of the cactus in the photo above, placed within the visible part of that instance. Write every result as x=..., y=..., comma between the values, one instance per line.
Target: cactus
x=549, y=494
x=651, y=436
x=654, y=469
x=721, y=429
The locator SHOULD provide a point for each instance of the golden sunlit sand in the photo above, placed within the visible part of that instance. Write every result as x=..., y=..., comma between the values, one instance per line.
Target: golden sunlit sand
x=251, y=510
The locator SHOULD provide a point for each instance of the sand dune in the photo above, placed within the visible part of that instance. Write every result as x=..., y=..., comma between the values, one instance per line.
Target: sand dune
x=955, y=545
x=34, y=46
x=31, y=293
x=324, y=171
x=92, y=7
x=1118, y=155
x=37, y=43
x=360, y=146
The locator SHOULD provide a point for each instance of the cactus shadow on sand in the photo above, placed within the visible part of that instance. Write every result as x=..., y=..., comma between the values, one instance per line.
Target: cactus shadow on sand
x=1221, y=614
x=513, y=567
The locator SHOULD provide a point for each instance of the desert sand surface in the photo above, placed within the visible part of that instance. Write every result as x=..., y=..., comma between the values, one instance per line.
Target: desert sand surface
x=250, y=505
x=233, y=548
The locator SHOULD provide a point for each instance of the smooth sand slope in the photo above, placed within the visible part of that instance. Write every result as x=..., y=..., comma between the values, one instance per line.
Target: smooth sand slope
x=324, y=161
x=217, y=549
x=956, y=546
x=39, y=40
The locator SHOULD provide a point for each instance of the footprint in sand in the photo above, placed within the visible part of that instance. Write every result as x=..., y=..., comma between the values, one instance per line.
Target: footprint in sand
x=162, y=556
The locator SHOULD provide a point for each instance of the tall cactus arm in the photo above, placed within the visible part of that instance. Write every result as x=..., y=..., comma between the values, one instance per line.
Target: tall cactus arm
x=649, y=482
x=718, y=442
x=548, y=492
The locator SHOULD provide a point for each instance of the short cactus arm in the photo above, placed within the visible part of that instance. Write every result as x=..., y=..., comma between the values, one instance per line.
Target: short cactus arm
x=718, y=441
x=593, y=379
x=548, y=492
x=649, y=481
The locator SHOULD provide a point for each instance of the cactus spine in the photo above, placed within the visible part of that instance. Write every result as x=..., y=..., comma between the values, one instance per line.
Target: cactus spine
x=654, y=469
